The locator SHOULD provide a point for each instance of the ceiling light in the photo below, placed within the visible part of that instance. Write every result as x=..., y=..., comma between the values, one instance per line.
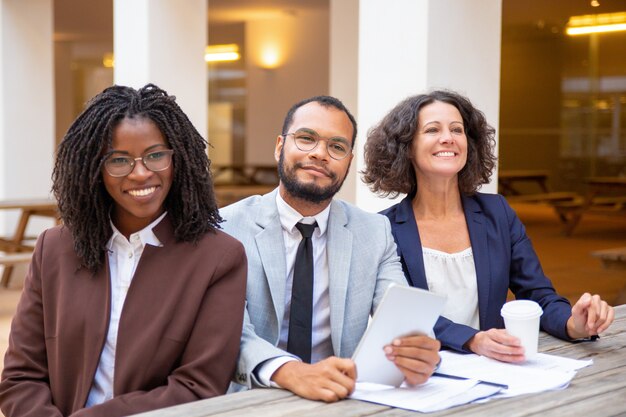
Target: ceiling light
x=596, y=23
x=222, y=53
x=108, y=60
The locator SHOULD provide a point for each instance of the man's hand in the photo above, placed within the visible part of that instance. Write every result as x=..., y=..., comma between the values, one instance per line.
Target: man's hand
x=497, y=344
x=415, y=356
x=590, y=316
x=329, y=380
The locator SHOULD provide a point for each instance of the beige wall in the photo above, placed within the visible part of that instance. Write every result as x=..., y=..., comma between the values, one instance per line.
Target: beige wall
x=302, y=42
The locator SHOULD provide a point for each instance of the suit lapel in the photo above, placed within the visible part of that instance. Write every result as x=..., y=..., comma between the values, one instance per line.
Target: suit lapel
x=480, y=249
x=94, y=291
x=339, y=254
x=409, y=243
x=271, y=247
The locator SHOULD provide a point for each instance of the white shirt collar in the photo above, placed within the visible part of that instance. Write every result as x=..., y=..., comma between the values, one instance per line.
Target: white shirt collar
x=146, y=235
x=290, y=216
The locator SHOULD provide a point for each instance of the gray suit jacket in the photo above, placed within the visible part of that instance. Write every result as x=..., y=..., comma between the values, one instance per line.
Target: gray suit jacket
x=362, y=262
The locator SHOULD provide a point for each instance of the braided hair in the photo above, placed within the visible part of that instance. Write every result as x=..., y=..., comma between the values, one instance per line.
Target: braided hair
x=84, y=203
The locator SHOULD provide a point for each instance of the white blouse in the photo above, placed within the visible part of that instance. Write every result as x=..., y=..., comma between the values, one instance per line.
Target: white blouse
x=453, y=275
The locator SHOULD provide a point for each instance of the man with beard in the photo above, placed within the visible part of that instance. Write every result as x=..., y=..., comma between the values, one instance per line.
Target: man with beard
x=304, y=318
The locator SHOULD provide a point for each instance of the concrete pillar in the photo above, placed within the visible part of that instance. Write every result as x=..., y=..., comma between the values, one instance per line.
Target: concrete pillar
x=163, y=42
x=26, y=103
x=408, y=47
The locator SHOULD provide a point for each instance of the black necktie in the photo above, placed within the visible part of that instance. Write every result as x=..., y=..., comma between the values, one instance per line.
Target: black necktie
x=301, y=314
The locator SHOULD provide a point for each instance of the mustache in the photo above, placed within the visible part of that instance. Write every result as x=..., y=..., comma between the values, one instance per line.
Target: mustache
x=331, y=174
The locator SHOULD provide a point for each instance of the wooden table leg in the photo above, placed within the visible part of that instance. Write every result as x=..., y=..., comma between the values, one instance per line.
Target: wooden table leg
x=18, y=237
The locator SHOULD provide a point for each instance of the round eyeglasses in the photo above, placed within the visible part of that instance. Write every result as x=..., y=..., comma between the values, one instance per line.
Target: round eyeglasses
x=121, y=165
x=307, y=140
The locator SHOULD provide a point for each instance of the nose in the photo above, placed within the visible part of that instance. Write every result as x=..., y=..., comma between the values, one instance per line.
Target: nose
x=139, y=170
x=320, y=151
x=446, y=136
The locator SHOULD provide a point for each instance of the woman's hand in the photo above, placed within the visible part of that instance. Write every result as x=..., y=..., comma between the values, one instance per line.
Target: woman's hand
x=497, y=344
x=590, y=316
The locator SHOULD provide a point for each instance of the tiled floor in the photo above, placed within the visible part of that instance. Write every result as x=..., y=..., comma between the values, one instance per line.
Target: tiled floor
x=566, y=260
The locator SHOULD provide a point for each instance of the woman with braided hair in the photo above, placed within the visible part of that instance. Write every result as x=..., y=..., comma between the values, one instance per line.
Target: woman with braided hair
x=136, y=301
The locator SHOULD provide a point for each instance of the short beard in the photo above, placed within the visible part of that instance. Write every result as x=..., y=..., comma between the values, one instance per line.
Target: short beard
x=311, y=193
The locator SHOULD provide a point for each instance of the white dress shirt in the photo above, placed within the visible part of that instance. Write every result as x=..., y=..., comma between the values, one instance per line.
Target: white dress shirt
x=123, y=256
x=453, y=275
x=321, y=344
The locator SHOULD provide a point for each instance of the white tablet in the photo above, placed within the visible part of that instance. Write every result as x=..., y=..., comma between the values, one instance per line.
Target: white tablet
x=403, y=311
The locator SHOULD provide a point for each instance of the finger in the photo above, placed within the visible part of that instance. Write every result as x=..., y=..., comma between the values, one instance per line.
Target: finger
x=429, y=357
x=502, y=357
x=501, y=336
x=601, y=317
x=500, y=349
x=326, y=395
x=414, y=371
x=609, y=319
x=592, y=312
x=338, y=388
x=345, y=381
x=421, y=341
x=347, y=367
x=582, y=304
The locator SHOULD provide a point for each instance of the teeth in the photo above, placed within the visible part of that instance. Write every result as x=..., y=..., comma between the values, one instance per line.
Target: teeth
x=142, y=193
x=444, y=154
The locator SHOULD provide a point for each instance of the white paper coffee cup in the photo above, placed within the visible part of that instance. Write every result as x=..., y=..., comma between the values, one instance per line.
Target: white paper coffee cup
x=521, y=319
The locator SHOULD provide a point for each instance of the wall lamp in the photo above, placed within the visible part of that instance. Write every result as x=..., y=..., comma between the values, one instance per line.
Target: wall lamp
x=596, y=23
x=222, y=53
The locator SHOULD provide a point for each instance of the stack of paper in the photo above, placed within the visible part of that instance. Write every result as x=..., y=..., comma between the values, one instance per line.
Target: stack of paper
x=468, y=378
x=544, y=372
x=436, y=394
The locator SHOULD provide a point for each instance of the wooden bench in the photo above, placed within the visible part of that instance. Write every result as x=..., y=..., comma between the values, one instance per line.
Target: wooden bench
x=570, y=212
x=228, y=194
x=612, y=258
x=12, y=259
x=550, y=197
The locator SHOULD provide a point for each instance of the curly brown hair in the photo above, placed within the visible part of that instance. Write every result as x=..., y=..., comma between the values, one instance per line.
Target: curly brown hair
x=388, y=150
x=84, y=203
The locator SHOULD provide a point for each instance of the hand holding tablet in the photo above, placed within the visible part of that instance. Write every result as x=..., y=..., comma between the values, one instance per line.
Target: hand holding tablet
x=404, y=311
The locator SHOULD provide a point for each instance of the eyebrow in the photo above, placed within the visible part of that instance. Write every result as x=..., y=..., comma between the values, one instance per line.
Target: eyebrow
x=149, y=148
x=313, y=132
x=440, y=123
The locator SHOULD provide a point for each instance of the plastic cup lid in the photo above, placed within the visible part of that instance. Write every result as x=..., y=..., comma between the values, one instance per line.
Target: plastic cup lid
x=521, y=309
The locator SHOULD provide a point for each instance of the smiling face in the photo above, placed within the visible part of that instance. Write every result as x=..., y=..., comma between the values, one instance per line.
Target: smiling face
x=139, y=196
x=313, y=176
x=440, y=144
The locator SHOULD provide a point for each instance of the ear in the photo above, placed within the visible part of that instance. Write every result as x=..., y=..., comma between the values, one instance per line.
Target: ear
x=280, y=142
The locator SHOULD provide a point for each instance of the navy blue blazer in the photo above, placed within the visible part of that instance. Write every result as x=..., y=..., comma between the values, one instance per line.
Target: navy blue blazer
x=504, y=259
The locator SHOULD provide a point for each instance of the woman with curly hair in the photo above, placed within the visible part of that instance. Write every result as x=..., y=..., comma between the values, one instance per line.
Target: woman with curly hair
x=453, y=240
x=136, y=302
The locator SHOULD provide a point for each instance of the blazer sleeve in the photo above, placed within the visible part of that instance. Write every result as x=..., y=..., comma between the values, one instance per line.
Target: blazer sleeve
x=528, y=281
x=453, y=335
x=389, y=268
x=208, y=361
x=254, y=351
x=25, y=389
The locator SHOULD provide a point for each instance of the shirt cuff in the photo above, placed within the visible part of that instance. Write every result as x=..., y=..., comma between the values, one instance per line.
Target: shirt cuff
x=265, y=371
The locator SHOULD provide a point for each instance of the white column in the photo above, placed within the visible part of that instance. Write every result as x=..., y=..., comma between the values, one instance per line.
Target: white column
x=163, y=42
x=344, y=71
x=26, y=101
x=407, y=47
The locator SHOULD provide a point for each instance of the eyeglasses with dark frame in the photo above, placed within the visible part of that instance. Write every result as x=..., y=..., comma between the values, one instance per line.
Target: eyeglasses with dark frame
x=307, y=139
x=117, y=165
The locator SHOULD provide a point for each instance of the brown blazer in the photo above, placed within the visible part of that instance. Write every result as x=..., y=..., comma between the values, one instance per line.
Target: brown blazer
x=178, y=336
